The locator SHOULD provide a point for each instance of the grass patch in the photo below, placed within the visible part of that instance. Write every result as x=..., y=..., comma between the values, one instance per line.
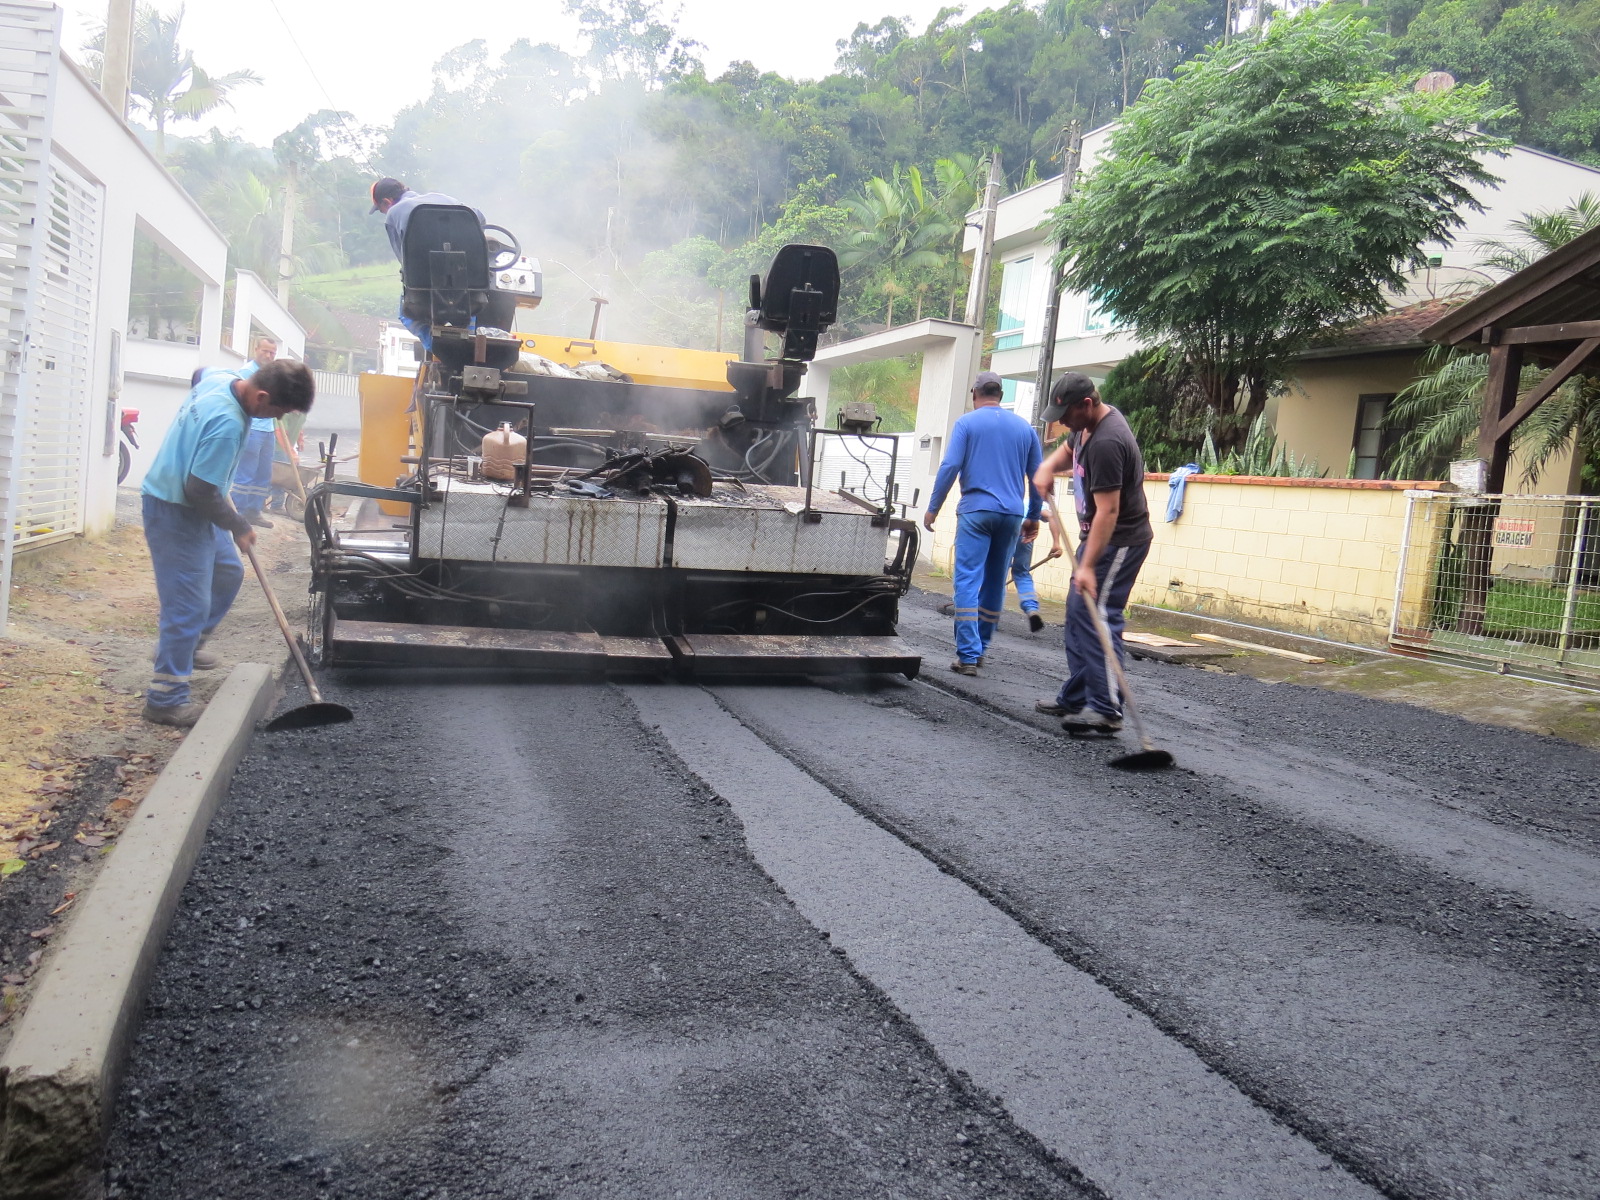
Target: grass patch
x=1517, y=607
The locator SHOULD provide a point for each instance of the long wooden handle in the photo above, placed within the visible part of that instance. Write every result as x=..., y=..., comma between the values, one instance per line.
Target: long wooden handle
x=283, y=626
x=294, y=463
x=1114, y=664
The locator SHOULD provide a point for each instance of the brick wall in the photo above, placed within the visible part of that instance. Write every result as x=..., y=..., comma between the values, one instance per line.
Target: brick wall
x=1314, y=556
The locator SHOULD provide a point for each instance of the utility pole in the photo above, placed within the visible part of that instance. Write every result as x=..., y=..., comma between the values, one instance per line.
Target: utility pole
x=978, y=289
x=116, y=64
x=1052, y=308
x=286, y=235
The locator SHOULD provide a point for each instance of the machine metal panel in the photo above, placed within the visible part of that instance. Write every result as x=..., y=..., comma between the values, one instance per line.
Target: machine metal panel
x=714, y=537
x=476, y=524
x=375, y=642
x=712, y=654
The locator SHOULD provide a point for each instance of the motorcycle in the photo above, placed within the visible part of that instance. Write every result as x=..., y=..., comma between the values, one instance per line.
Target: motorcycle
x=130, y=418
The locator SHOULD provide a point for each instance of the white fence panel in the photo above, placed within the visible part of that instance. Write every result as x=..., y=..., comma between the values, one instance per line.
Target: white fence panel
x=30, y=36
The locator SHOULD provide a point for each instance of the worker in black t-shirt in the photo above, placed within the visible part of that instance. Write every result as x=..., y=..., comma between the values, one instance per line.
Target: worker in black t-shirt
x=1114, y=519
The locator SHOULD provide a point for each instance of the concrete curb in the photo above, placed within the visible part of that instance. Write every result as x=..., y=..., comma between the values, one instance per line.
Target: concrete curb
x=59, y=1075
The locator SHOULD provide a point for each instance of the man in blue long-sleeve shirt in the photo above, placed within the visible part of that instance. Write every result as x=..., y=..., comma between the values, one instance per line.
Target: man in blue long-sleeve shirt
x=994, y=453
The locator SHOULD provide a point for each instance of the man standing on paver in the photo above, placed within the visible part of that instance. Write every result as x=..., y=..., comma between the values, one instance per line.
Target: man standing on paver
x=395, y=201
x=191, y=527
x=1114, y=520
x=252, y=482
x=994, y=453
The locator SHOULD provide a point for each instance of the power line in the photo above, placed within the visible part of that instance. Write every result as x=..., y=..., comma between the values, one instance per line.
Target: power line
x=328, y=96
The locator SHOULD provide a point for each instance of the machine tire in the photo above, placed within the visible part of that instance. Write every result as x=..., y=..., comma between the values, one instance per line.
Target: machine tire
x=124, y=461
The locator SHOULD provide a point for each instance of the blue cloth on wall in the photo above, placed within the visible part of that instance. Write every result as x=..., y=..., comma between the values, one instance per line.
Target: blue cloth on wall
x=1176, y=483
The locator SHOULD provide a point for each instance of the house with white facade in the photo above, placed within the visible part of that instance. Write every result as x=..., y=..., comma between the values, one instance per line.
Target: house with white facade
x=1337, y=407
x=80, y=194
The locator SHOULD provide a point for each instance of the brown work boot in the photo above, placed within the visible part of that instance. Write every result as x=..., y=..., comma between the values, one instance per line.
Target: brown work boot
x=204, y=660
x=180, y=716
x=964, y=668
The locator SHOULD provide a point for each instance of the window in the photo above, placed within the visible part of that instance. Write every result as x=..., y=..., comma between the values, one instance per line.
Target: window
x=1014, y=281
x=1372, y=441
x=1095, y=319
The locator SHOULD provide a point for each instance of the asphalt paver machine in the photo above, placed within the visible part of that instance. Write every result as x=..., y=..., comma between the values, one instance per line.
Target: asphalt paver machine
x=662, y=514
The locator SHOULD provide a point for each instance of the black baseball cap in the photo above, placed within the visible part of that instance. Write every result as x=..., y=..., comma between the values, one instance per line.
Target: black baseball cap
x=987, y=379
x=386, y=188
x=1070, y=389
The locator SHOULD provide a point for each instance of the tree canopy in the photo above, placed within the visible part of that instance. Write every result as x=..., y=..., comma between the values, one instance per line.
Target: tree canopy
x=1270, y=189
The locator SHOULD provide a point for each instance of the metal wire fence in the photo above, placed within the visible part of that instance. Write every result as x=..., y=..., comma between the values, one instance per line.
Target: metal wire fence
x=1511, y=581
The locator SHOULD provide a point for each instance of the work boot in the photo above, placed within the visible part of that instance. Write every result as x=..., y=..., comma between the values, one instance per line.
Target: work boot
x=1049, y=708
x=1035, y=622
x=258, y=520
x=964, y=668
x=180, y=716
x=1087, y=720
x=204, y=660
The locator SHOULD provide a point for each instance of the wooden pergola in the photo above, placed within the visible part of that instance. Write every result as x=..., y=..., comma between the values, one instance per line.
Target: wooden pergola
x=1546, y=314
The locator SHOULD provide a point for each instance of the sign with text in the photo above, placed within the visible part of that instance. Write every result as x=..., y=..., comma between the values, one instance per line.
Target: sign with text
x=1513, y=531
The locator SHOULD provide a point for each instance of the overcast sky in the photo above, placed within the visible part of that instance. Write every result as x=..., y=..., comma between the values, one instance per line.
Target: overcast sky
x=373, y=58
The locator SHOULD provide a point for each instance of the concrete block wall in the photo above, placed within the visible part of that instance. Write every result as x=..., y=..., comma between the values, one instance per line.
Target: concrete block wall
x=1315, y=556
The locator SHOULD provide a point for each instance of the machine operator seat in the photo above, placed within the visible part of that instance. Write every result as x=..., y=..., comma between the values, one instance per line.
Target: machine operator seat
x=444, y=270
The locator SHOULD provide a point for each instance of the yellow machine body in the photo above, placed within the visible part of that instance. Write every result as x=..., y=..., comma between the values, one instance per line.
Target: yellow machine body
x=386, y=433
x=665, y=366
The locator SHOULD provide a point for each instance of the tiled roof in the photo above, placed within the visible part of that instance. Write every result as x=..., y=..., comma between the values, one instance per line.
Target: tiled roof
x=1398, y=329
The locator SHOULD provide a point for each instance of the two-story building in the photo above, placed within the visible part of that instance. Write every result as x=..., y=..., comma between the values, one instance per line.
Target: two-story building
x=1334, y=407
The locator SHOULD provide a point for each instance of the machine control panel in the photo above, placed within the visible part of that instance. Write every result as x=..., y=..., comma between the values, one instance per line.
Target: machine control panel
x=523, y=277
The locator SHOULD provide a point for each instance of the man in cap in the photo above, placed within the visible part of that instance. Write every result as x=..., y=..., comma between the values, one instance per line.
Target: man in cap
x=1114, y=520
x=191, y=527
x=994, y=453
x=395, y=201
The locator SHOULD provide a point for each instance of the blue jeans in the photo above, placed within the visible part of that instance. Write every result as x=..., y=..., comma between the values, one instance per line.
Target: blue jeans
x=1022, y=574
x=984, y=544
x=253, y=476
x=1089, y=684
x=198, y=574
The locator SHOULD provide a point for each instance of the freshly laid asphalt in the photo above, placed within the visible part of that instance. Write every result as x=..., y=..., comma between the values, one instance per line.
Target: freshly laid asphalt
x=512, y=938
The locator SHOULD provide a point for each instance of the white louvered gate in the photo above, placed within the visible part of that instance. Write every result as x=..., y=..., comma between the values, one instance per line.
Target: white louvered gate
x=30, y=37
x=55, y=449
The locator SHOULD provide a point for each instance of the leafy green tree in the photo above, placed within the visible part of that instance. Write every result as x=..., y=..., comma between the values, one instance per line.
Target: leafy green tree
x=167, y=84
x=1273, y=187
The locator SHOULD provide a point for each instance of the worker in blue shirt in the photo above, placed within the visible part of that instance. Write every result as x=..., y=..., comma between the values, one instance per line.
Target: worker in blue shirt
x=192, y=528
x=994, y=453
x=395, y=201
x=252, y=481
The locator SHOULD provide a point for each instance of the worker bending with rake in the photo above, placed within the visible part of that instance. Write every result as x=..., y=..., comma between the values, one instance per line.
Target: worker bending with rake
x=1114, y=519
x=994, y=453
x=192, y=527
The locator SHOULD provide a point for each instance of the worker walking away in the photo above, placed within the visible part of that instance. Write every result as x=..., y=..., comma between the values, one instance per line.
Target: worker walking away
x=252, y=482
x=396, y=201
x=1114, y=521
x=1022, y=565
x=994, y=453
x=192, y=528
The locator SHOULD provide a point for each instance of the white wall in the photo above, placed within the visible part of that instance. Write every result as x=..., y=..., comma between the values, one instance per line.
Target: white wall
x=139, y=194
x=255, y=303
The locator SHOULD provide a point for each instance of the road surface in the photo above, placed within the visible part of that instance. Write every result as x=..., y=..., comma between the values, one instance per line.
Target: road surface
x=508, y=938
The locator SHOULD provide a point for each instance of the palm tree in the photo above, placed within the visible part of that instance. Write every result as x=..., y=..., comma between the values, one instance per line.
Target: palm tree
x=167, y=83
x=1442, y=409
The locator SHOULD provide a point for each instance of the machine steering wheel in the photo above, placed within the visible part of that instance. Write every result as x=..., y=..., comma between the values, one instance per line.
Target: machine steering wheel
x=508, y=249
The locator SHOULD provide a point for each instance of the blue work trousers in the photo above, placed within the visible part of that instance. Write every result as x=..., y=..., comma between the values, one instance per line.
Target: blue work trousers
x=252, y=478
x=198, y=574
x=1089, y=684
x=985, y=542
x=1022, y=574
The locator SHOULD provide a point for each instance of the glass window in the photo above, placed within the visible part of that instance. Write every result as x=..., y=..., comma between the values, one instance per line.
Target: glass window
x=1014, y=280
x=1372, y=439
